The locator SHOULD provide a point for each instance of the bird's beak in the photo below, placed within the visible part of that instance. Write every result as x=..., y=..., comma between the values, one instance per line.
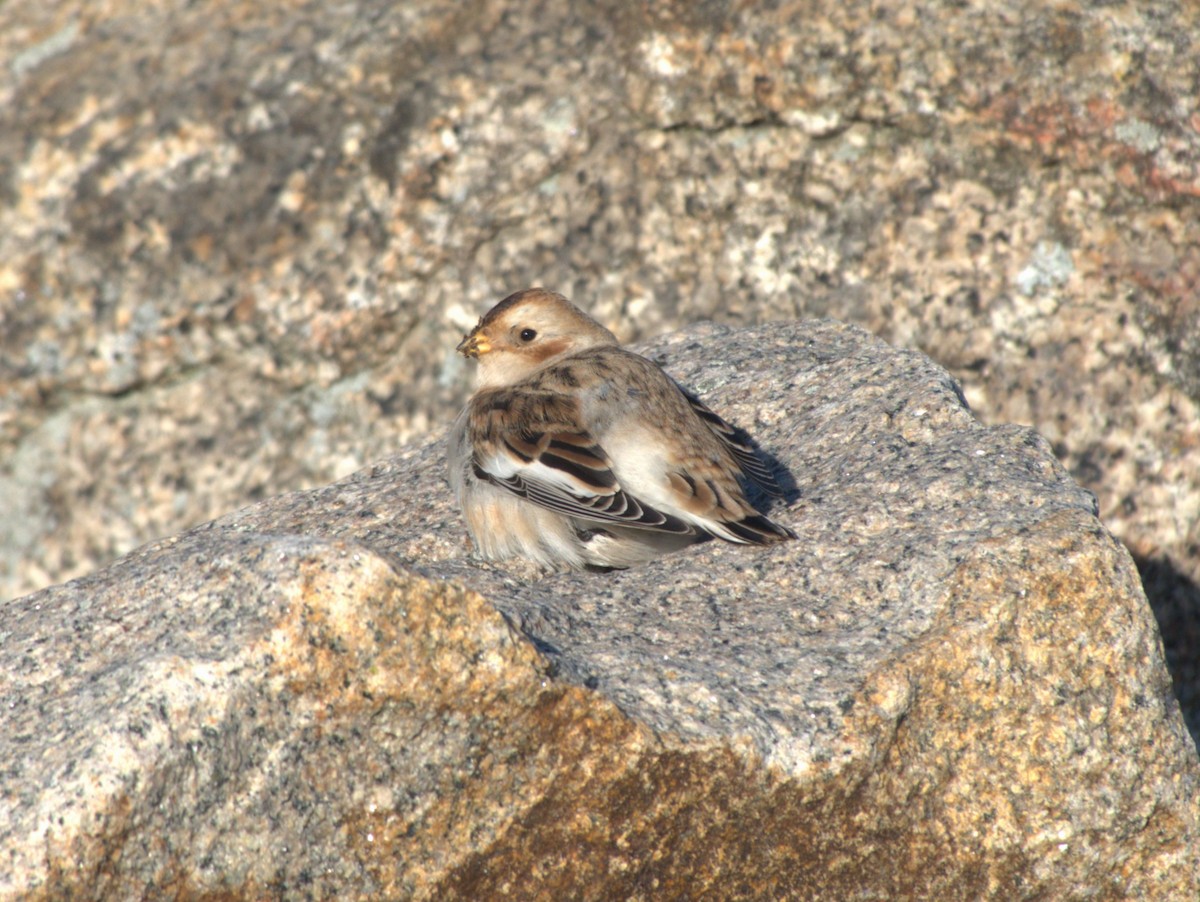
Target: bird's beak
x=474, y=345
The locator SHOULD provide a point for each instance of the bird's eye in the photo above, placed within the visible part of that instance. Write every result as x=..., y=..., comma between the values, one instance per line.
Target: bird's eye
x=528, y=334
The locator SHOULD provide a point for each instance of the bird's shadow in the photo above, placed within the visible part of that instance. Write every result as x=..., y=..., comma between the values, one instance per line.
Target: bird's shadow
x=760, y=496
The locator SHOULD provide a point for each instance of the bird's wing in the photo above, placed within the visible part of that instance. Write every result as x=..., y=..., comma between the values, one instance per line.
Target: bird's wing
x=535, y=447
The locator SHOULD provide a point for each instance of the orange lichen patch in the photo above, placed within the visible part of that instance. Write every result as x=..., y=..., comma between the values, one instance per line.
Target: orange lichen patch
x=367, y=634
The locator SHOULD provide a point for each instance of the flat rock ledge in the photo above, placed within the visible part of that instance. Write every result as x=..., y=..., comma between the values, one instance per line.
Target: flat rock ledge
x=951, y=686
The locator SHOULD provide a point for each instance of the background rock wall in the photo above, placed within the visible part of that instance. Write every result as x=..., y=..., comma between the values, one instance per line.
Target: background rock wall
x=239, y=241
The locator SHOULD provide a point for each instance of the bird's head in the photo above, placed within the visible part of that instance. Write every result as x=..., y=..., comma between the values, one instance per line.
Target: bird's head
x=526, y=331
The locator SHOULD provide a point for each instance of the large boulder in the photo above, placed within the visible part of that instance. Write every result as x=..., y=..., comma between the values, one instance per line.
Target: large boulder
x=950, y=686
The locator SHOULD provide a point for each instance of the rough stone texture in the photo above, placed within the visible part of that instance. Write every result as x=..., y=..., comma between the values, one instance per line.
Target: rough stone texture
x=951, y=686
x=238, y=241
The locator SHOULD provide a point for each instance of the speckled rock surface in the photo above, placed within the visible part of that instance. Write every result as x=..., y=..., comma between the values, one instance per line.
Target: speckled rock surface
x=239, y=240
x=951, y=686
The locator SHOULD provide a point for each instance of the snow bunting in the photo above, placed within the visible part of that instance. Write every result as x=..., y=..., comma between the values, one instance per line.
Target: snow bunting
x=575, y=452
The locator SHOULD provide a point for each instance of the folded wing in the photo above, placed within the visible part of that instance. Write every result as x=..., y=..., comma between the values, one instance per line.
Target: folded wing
x=535, y=445
x=568, y=472
x=742, y=450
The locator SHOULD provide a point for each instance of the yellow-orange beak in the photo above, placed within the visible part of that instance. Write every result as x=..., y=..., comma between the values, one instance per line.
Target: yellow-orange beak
x=474, y=344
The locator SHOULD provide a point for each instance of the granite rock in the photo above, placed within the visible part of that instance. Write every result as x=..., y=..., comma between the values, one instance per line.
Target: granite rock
x=238, y=241
x=951, y=685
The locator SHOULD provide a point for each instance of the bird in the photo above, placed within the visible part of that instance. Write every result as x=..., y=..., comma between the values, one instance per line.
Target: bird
x=576, y=453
